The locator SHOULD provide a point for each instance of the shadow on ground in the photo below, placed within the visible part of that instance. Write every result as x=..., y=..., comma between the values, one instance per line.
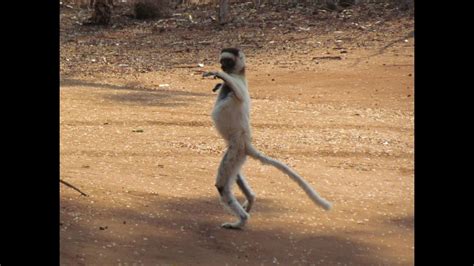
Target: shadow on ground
x=404, y=222
x=185, y=231
x=137, y=94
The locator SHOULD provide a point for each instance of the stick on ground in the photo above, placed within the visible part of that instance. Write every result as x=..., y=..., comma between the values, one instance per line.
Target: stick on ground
x=73, y=187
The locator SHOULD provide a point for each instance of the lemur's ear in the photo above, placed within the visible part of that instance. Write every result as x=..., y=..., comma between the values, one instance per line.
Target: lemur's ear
x=234, y=51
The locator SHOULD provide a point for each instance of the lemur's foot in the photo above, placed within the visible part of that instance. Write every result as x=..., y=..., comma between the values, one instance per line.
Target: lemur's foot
x=236, y=226
x=247, y=205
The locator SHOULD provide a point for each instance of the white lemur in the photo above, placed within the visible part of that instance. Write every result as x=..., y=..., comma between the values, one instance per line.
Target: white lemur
x=232, y=121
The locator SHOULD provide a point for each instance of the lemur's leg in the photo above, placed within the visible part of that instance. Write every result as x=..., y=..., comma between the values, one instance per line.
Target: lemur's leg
x=249, y=194
x=226, y=177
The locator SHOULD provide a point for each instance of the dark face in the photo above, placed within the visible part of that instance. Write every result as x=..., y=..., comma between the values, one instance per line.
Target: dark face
x=227, y=64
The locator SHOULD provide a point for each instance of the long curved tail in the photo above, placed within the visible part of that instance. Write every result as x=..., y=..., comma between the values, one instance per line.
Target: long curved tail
x=313, y=195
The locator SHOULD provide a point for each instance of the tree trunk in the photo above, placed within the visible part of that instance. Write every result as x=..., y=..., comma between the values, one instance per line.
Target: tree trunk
x=407, y=5
x=257, y=4
x=152, y=9
x=102, y=13
x=347, y=3
x=331, y=4
x=223, y=11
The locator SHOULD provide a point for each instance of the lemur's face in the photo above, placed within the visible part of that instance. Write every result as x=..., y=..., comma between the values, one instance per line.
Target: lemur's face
x=232, y=60
x=227, y=64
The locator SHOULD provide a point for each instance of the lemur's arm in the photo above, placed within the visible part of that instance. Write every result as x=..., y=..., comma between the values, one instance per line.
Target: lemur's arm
x=230, y=81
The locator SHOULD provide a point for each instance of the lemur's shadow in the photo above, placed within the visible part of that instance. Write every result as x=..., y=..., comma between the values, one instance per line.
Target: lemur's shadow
x=180, y=228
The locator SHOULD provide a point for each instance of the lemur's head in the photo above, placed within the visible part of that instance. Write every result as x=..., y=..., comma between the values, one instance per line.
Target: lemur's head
x=232, y=61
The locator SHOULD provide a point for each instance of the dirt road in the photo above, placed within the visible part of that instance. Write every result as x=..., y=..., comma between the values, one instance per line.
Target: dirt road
x=147, y=155
x=332, y=96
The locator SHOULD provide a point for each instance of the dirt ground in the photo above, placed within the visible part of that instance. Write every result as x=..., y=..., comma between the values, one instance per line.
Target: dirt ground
x=141, y=144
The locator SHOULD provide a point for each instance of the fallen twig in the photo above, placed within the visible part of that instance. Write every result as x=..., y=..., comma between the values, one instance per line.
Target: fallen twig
x=328, y=57
x=186, y=66
x=381, y=50
x=73, y=187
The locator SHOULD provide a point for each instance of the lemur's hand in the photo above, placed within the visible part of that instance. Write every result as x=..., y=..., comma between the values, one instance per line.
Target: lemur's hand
x=218, y=86
x=211, y=73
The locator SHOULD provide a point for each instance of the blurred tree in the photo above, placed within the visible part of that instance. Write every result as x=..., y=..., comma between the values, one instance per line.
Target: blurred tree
x=406, y=4
x=333, y=4
x=92, y=2
x=223, y=13
x=151, y=9
x=257, y=4
x=102, y=13
x=347, y=3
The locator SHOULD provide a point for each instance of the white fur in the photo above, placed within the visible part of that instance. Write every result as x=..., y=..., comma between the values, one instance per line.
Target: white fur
x=232, y=121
